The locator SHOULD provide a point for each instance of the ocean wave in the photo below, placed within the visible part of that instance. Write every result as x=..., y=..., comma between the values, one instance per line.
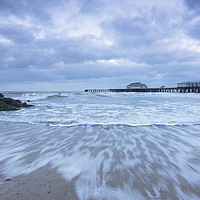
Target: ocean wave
x=43, y=96
x=56, y=96
x=74, y=108
x=72, y=124
x=63, y=95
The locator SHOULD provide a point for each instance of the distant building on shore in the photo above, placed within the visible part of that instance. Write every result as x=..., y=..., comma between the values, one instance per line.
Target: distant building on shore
x=136, y=85
x=188, y=84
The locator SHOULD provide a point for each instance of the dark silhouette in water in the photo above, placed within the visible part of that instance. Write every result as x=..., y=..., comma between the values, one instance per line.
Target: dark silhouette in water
x=7, y=104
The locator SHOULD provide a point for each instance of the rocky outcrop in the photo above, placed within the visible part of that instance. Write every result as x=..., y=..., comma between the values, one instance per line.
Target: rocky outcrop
x=7, y=104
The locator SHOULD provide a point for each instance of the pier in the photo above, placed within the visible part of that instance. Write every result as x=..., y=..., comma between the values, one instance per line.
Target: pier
x=171, y=89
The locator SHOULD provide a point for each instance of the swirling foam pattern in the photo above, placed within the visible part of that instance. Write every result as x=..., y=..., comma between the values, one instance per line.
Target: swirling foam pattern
x=109, y=161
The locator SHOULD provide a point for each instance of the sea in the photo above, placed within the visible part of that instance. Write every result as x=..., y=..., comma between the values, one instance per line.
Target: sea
x=115, y=145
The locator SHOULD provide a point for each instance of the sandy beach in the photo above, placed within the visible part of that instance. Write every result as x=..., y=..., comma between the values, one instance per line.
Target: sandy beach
x=42, y=184
x=46, y=184
x=110, y=162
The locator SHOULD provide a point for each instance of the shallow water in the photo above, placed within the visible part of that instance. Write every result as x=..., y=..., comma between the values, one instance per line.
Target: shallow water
x=106, y=108
x=116, y=145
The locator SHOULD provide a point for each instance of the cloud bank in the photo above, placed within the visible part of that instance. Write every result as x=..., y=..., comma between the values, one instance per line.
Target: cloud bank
x=85, y=43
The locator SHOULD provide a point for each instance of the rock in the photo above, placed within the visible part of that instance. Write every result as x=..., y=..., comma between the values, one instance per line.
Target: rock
x=6, y=107
x=26, y=105
x=7, y=104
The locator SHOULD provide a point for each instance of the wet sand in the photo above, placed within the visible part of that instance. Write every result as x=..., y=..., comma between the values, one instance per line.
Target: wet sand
x=97, y=162
x=42, y=184
x=46, y=184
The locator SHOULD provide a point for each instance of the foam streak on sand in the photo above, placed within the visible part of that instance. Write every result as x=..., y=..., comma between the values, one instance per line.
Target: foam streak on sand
x=108, y=161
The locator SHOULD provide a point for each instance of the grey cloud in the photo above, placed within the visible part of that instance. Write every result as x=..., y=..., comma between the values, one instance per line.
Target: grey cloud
x=194, y=31
x=91, y=6
x=192, y=22
x=193, y=4
x=17, y=34
x=21, y=8
x=127, y=26
x=144, y=36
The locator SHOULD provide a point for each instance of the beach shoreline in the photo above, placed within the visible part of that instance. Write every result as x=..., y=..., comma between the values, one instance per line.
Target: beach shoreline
x=43, y=184
x=91, y=162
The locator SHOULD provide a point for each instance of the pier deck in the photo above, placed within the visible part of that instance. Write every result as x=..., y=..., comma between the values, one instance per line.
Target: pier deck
x=171, y=89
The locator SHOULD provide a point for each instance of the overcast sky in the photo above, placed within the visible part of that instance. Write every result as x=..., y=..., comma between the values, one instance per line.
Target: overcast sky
x=78, y=44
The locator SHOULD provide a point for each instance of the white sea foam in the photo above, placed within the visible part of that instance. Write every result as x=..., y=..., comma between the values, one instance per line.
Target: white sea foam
x=108, y=161
x=107, y=108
